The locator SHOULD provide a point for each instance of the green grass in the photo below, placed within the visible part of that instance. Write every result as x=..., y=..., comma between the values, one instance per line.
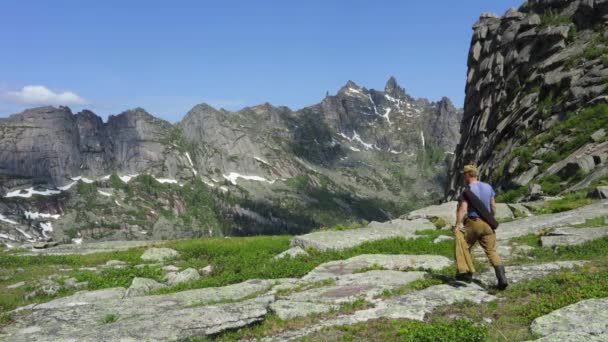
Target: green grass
x=568, y=201
x=403, y=330
x=513, y=195
x=110, y=318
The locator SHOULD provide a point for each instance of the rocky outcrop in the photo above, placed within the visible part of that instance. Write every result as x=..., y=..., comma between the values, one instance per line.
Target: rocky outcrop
x=531, y=73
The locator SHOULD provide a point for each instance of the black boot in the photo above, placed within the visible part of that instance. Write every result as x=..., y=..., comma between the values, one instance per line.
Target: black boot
x=465, y=277
x=501, y=277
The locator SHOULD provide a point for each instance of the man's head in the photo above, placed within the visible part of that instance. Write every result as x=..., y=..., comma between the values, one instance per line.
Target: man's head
x=470, y=173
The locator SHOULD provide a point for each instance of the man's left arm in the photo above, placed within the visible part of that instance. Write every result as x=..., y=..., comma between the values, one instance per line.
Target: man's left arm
x=493, y=205
x=460, y=214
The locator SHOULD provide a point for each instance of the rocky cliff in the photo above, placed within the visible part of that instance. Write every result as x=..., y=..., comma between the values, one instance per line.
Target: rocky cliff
x=535, y=109
x=359, y=154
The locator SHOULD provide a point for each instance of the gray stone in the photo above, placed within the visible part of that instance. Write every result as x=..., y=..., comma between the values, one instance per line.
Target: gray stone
x=170, y=268
x=88, y=248
x=586, y=320
x=48, y=287
x=292, y=252
x=534, y=224
x=401, y=262
x=206, y=270
x=159, y=254
x=519, y=273
x=115, y=264
x=415, y=306
x=16, y=285
x=351, y=287
x=573, y=236
x=445, y=211
x=442, y=238
x=189, y=274
x=339, y=240
x=140, y=286
x=598, y=135
x=170, y=317
x=287, y=309
x=72, y=283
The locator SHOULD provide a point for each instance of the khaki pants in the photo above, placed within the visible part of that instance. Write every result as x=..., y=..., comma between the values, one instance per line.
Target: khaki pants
x=474, y=231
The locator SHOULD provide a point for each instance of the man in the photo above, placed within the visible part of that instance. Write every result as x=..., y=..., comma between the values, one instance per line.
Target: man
x=475, y=229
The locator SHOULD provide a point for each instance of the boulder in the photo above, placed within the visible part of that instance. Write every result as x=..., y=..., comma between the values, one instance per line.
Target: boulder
x=292, y=253
x=140, y=286
x=189, y=274
x=586, y=320
x=205, y=271
x=159, y=254
x=598, y=135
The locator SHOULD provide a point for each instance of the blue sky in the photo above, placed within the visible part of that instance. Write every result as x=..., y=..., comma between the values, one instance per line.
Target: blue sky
x=167, y=56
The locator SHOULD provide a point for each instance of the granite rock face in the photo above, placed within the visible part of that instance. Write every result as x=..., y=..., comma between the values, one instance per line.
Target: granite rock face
x=586, y=320
x=528, y=71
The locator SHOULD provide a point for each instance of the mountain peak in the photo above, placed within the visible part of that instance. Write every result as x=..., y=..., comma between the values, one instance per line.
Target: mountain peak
x=392, y=87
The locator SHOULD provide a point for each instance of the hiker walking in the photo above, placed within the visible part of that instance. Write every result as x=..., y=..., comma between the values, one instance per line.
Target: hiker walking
x=475, y=223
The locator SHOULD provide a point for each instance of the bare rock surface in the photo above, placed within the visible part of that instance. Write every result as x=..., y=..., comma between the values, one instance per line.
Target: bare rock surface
x=586, y=320
x=447, y=212
x=533, y=224
x=343, y=239
x=169, y=317
x=518, y=273
x=140, y=286
x=573, y=236
x=288, y=309
x=89, y=248
x=335, y=269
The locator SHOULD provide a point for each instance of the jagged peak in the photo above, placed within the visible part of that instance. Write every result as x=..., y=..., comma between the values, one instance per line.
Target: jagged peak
x=392, y=88
x=204, y=107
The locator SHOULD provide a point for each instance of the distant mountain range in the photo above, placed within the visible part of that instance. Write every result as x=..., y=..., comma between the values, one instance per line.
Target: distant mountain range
x=321, y=162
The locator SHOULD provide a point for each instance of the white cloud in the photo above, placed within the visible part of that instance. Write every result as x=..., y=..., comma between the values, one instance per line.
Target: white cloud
x=41, y=95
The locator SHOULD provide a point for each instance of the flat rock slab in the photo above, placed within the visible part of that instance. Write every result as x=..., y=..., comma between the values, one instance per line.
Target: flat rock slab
x=287, y=309
x=400, y=262
x=587, y=318
x=516, y=274
x=343, y=239
x=533, y=224
x=90, y=248
x=415, y=305
x=573, y=236
x=168, y=317
x=447, y=212
x=350, y=287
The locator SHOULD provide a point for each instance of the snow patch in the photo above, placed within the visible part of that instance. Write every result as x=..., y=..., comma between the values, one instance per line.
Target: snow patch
x=369, y=96
x=395, y=152
x=261, y=160
x=86, y=180
x=166, y=180
x=233, y=176
x=223, y=188
x=448, y=152
x=29, y=192
x=118, y=204
x=47, y=227
x=127, y=178
x=189, y=159
x=24, y=233
x=107, y=194
x=354, y=149
x=67, y=187
x=77, y=241
x=106, y=177
x=33, y=216
x=386, y=116
x=422, y=138
x=5, y=219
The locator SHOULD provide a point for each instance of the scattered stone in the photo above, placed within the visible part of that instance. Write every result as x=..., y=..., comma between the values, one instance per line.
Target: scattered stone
x=170, y=268
x=16, y=285
x=205, y=271
x=140, y=286
x=573, y=236
x=339, y=240
x=586, y=320
x=598, y=135
x=184, y=276
x=149, y=265
x=334, y=269
x=89, y=248
x=48, y=287
x=292, y=252
x=286, y=309
x=441, y=238
x=72, y=283
x=159, y=254
x=115, y=264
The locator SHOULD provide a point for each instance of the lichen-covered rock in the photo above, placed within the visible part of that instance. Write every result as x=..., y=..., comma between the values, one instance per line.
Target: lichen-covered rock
x=518, y=273
x=288, y=309
x=189, y=274
x=573, y=236
x=140, y=286
x=292, y=252
x=335, y=269
x=586, y=320
x=159, y=254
